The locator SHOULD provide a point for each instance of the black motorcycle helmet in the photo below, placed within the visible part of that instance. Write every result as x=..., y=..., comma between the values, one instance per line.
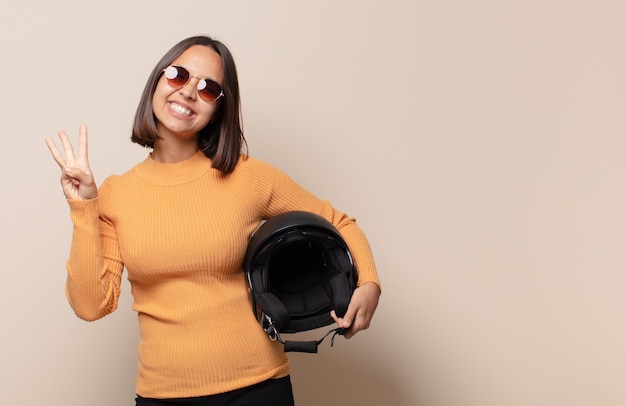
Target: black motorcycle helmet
x=299, y=269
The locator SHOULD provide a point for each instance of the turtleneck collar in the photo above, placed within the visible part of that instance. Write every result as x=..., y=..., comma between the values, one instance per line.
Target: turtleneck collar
x=173, y=173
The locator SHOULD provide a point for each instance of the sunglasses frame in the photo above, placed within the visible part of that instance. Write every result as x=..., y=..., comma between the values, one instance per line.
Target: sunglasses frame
x=203, y=94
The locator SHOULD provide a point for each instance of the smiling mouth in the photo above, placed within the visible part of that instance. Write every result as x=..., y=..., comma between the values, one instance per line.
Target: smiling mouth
x=180, y=109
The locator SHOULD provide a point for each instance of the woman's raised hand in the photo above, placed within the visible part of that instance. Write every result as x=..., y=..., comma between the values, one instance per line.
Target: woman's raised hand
x=76, y=178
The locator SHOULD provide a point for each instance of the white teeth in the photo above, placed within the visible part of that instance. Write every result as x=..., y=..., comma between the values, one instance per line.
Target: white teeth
x=180, y=109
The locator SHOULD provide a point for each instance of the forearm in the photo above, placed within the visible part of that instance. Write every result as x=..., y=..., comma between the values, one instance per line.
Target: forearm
x=93, y=283
x=359, y=248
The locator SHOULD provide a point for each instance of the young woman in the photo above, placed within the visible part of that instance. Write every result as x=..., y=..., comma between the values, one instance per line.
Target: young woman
x=180, y=222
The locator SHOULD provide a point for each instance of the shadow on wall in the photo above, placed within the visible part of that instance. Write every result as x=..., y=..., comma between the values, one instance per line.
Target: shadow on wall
x=345, y=375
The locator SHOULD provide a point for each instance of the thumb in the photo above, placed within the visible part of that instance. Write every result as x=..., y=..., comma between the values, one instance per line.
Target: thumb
x=83, y=181
x=83, y=175
x=346, y=320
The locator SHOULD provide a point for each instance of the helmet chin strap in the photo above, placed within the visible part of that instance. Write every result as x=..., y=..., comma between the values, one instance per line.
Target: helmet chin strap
x=299, y=346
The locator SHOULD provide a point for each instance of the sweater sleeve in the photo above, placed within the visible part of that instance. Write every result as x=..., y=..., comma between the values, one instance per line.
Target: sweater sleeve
x=94, y=267
x=278, y=193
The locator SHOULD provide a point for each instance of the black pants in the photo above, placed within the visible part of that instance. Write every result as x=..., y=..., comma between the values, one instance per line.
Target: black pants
x=273, y=392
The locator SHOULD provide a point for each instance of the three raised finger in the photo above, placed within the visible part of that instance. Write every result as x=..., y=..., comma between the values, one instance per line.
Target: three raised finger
x=56, y=154
x=64, y=159
x=82, y=142
x=67, y=146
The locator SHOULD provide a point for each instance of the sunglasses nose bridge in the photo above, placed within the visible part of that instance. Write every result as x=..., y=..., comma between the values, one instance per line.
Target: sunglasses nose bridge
x=190, y=89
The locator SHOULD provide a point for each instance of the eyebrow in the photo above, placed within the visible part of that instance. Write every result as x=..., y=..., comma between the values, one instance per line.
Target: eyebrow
x=194, y=76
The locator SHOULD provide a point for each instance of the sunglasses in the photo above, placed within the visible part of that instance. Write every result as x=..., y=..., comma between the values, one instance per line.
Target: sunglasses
x=208, y=89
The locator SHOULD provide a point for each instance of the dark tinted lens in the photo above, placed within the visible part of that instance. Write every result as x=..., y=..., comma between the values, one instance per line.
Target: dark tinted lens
x=209, y=90
x=176, y=76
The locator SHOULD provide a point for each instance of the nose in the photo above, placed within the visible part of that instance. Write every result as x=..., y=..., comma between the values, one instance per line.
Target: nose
x=190, y=90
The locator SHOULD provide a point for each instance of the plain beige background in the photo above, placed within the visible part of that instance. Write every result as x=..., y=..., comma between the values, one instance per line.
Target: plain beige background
x=480, y=145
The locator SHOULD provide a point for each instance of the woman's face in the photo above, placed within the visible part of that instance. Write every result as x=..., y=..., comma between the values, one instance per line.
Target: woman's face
x=179, y=111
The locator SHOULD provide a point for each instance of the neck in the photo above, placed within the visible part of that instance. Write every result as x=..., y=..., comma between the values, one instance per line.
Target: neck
x=168, y=150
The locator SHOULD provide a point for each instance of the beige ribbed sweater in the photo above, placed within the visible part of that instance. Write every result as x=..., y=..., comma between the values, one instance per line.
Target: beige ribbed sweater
x=181, y=230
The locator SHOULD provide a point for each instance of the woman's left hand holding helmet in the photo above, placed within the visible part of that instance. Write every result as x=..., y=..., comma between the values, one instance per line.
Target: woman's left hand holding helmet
x=360, y=310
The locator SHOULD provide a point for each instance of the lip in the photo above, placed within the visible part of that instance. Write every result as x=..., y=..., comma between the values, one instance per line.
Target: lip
x=178, y=114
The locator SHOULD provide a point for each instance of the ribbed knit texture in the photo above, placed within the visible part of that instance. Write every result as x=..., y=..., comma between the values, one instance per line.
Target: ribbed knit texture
x=181, y=230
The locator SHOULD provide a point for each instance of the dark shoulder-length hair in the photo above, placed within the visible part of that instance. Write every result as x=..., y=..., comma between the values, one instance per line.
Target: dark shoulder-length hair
x=222, y=139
